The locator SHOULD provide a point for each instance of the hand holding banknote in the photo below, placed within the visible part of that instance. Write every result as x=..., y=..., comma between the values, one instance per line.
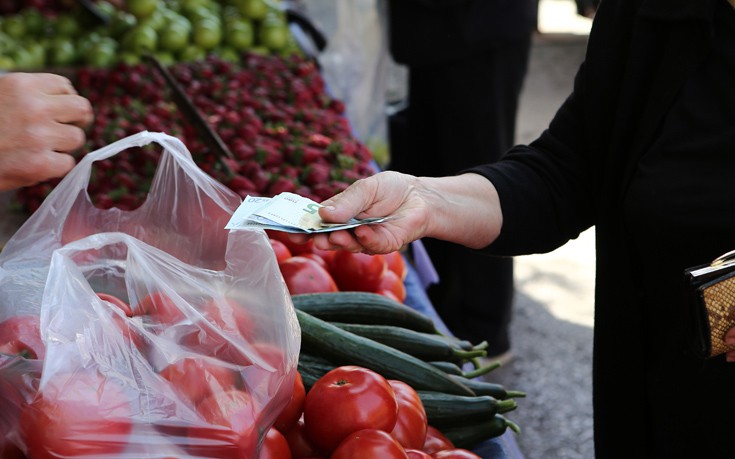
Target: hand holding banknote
x=462, y=209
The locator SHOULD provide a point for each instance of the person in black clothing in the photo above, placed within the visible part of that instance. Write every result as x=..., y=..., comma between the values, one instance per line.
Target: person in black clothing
x=466, y=63
x=643, y=150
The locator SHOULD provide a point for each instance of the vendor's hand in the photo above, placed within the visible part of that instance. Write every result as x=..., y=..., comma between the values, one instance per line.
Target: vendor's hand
x=41, y=121
x=462, y=209
x=730, y=340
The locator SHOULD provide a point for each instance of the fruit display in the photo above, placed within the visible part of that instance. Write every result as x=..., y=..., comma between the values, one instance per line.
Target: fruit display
x=284, y=131
x=64, y=34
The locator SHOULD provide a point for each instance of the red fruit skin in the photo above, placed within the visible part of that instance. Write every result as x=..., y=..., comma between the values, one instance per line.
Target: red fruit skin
x=417, y=454
x=295, y=408
x=436, y=441
x=456, y=453
x=304, y=275
x=345, y=400
x=281, y=250
x=21, y=335
x=412, y=423
x=369, y=444
x=358, y=271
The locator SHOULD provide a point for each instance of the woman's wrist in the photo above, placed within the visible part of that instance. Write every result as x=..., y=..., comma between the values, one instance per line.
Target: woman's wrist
x=464, y=209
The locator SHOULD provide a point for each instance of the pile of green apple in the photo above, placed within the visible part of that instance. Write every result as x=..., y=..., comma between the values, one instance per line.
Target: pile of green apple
x=171, y=30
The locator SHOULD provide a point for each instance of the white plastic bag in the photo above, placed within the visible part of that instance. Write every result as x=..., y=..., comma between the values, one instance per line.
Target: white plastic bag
x=200, y=364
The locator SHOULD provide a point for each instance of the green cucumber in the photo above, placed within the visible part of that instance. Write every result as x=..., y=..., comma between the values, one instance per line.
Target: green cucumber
x=469, y=435
x=451, y=410
x=480, y=387
x=362, y=308
x=425, y=346
x=344, y=348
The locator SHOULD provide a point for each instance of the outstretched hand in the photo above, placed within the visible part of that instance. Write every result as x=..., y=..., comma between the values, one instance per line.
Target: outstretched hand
x=41, y=122
x=462, y=209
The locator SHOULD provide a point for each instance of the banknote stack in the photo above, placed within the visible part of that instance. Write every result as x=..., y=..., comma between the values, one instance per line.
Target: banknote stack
x=287, y=212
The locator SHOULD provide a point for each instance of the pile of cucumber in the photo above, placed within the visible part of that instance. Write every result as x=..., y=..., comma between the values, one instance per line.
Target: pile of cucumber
x=396, y=341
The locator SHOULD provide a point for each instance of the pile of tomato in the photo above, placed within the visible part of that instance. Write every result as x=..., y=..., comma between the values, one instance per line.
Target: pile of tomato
x=353, y=412
x=199, y=390
x=307, y=269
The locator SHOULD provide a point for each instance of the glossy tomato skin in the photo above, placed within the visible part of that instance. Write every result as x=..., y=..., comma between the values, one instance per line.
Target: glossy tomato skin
x=326, y=255
x=357, y=271
x=195, y=379
x=303, y=275
x=21, y=335
x=299, y=443
x=345, y=400
x=397, y=264
x=295, y=408
x=456, y=453
x=411, y=425
x=436, y=441
x=77, y=414
x=232, y=426
x=159, y=308
x=293, y=247
x=281, y=251
x=369, y=444
x=124, y=307
x=392, y=283
x=274, y=446
x=417, y=454
x=128, y=330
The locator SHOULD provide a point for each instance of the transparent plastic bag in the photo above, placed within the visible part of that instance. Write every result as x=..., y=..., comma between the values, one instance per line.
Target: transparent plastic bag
x=181, y=360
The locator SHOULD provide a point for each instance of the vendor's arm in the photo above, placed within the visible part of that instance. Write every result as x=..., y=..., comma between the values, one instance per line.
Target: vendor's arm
x=463, y=209
x=41, y=121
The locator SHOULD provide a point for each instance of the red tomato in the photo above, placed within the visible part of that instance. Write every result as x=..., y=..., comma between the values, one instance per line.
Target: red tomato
x=294, y=248
x=195, y=379
x=388, y=294
x=295, y=408
x=369, y=444
x=124, y=307
x=436, y=441
x=317, y=258
x=21, y=335
x=160, y=308
x=456, y=454
x=345, y=400
x=274, y=446
x=77, y=414
x=392, y=283
x=397, y=264
x=357, y=271
x=303, y=275
x=279, y=248
x=411, y=425
x=417, y=454
x=299, y=443
x=229, y=316
x=326, y=255
x=233, y=426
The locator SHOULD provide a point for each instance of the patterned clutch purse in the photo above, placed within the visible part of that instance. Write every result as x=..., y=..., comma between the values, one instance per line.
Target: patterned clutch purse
x=713, y=295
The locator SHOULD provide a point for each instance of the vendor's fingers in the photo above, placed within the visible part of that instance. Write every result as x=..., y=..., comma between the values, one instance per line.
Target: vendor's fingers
x=349, y=203
x=70, y=109
x=63, y=137
x=730, y=337
x=54, y=84
x=730, y=356
x=48, y=165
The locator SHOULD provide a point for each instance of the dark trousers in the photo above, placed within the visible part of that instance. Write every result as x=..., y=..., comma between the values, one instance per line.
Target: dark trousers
x=461, y=114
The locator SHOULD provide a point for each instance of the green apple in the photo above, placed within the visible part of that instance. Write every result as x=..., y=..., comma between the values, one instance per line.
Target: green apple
x=38, y=54
x=262, y=50
x=61, y=52
x=121, y=22
x=192, y=53
x=166, y=58
x=14, y=26
x=228, y=54
x=155, y=20
x=141, y=9
x=7, y=63
x=66, y=26
x=273, y=36
x=34, y=21
x=207, y=33
x=175, y=35
x=140, y=39
x=102, y=54
x=128, y=58
x=239, y=34
x=252, y=9
x=23, y=59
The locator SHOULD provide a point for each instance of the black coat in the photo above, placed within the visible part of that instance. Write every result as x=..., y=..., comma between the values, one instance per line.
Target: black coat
x=425, y=32
x=575, y=175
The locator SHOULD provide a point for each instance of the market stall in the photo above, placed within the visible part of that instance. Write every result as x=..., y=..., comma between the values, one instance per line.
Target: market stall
x=249, y=116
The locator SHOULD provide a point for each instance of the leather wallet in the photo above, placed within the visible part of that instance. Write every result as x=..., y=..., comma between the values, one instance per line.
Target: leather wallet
x=712, y=288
